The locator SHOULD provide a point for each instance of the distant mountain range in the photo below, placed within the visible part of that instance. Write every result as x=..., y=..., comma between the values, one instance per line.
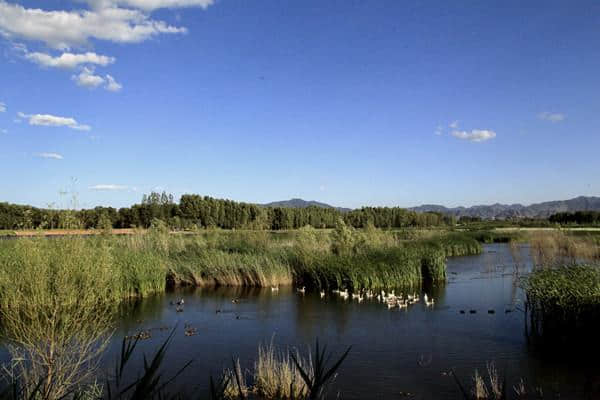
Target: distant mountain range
x=503, y=211
x=494, y=211
x=299, y=203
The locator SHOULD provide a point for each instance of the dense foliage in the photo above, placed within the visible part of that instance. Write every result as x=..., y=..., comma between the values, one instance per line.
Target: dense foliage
x=578, y=217
x=205, y=212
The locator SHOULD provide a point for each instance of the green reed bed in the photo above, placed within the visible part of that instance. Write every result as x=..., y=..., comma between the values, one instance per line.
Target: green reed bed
x=369, y=270
x=222, y=268
x=563, y=304
x=457, y=244
x=563, y=290
x=142, y=272
x=346, y=258
x=57, y=299
x=405, y=264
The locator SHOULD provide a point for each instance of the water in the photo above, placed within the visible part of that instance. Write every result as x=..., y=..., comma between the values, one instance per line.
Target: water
x=394, y=352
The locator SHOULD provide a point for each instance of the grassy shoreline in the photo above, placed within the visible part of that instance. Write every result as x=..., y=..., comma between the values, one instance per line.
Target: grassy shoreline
x=146, y=263
x=563, y=291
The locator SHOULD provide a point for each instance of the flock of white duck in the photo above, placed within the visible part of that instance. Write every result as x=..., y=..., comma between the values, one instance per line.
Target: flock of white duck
x=390, y=298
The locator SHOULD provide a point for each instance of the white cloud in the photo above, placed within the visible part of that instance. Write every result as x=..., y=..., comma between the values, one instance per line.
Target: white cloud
x=454, y=125
x=69, y=60
x=87, y=78
x=476, y=135
x=65, y=29
x=2, y=107
x=112, y=85
x=552, y=117
x=52, y=120
x=150, y=5
x=53, y=156
x=108, y=187
x=439, y=130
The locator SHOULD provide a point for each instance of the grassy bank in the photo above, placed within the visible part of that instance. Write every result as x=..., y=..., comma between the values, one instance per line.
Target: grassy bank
x=343, y=258
x=141, y=264
x=563, y=290
x=564, y=303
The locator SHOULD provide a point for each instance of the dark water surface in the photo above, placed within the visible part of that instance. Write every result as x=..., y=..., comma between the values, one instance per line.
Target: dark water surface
x=394, y=351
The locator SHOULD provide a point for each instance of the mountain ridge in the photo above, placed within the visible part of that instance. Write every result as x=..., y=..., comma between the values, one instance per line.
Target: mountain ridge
x=516, y=210
x=491, y=211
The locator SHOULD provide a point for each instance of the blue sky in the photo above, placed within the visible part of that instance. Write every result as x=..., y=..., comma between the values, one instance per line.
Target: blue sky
x=348, y=102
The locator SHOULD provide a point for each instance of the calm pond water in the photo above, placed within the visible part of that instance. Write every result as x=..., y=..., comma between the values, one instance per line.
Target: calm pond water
x=394, y=351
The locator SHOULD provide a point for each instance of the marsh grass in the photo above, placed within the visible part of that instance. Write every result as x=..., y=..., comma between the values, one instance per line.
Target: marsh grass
x=56, y=305
x=563, y=290
x=276, y=375
x=143, y=263
x=490, y=387
x=375, y=259
x=563, y=304
x=219, y=268
x=283, y=375
x=552, y=248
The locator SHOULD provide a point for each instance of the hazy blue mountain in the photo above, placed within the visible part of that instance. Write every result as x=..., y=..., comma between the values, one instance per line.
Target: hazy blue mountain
x=493, y=211
x=502, y=211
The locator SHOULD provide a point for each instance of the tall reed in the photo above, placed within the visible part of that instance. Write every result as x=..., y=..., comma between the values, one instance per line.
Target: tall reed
x=563, y=290
x=56, y=303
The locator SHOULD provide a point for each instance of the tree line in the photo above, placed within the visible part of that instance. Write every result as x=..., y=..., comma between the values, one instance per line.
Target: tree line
x=577, y=218
x=195, y=211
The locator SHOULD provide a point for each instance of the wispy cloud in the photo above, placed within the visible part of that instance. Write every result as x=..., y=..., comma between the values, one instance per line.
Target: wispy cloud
x=53, y=120
x=552, y=117
x=150, y=5
x=476, y=135
x=112, y=85
x=2, y=107
x=4, y=131
x=53, y=156
x=69, y=60
x=108, y=187
x=439, y=130
x=453, y=125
